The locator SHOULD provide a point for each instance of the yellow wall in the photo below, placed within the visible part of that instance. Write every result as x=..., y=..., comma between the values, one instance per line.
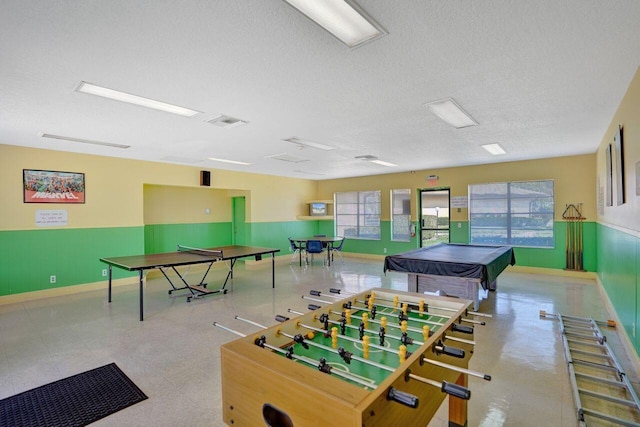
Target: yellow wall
x=574, y=182
x=115, y=189
x=185, y=205
x=627, y=215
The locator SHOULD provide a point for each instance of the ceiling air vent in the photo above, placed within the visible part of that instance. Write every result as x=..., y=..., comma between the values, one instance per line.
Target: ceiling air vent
x=288, y=158
x=226, y=121
x=366, y=158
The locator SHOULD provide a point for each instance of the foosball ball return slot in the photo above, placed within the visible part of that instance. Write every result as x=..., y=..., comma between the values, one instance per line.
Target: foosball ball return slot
x=366, y=360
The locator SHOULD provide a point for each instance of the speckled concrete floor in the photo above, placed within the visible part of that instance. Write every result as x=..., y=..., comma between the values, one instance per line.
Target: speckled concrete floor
x=173, y=356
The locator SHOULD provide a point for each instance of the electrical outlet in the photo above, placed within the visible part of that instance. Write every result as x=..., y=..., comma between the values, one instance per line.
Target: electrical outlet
x=52, y=279
x=384, y=250
x=104, y=272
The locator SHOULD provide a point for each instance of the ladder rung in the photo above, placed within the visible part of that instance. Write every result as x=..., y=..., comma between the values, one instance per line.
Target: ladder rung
x=601, y=380
x=608, y=398
x=616, y=420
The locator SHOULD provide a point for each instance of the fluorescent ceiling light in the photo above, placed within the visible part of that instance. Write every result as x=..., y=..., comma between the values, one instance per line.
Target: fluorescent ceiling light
x=494, y=149
x=449, y=111
x=312, y=144
x=92, y=89
x=309, y=172
x=383, y=163
x=84, y=141
x=342, y=18
x=234, y=162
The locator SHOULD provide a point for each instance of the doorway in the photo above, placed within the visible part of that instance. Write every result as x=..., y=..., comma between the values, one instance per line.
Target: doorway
x=238, y=208
x=434, y=216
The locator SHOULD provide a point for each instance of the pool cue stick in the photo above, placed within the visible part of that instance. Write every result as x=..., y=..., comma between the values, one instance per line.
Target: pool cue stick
x=367, y=382
x=457, y=369
x=409, y=328
x=332, y=350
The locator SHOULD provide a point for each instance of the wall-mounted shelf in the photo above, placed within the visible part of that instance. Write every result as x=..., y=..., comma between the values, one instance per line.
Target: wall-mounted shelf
x=316, y=218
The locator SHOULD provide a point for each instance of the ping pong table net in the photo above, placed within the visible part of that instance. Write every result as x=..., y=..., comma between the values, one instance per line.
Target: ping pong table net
x=210, y=253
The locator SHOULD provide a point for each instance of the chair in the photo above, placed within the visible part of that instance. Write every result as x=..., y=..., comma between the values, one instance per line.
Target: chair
x=296, y=249
x=314, y=247
x=338, y=250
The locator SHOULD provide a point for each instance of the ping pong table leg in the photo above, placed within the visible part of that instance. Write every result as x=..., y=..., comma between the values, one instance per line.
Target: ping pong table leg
x=109, y=282
x=273, y=270
x=141, y=297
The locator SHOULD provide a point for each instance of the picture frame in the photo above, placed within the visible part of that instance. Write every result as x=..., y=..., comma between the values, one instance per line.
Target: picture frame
x=46, y=186
x=619, y=167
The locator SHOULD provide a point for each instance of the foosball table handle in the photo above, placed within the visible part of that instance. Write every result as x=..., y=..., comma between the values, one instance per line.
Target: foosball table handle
x=456, y=390
x=402, y=397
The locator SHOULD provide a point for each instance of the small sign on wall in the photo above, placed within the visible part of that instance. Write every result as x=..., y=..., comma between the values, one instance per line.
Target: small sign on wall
x=51, y=218
x=460, y=202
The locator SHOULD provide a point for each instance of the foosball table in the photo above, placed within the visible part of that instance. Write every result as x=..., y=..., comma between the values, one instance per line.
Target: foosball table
x=377, y=358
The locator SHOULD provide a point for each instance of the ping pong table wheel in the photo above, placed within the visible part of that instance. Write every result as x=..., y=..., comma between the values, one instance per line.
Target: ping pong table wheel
x=188, y=299
x=224, y=291
x=170, y=291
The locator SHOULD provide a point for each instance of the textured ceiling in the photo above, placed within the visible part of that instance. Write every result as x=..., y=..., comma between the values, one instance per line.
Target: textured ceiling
x=542, y=78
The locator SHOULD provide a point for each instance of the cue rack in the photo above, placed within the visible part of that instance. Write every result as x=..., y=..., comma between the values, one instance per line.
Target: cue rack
x=574, y=247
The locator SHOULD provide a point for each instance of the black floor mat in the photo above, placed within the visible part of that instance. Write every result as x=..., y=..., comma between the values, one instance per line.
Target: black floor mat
x=75, y=401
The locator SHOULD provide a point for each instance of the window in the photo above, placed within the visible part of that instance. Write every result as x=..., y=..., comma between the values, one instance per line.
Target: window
x=401, y=215
x=358, y=215
x=512, y=213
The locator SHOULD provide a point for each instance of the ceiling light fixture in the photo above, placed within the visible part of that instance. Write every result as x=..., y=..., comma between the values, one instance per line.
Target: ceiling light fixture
x=494, y=149
x=344, y=19
x=116, y=95
x=449, y=111
x=383, y=163
x=307, y=143
x=84, y=141
x=233, y=162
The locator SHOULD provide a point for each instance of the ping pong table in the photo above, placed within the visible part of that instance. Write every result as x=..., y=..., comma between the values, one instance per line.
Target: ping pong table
x=185, y=256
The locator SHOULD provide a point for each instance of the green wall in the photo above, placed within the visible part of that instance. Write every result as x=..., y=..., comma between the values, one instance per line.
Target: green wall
x=30, y=257
x=618, y=257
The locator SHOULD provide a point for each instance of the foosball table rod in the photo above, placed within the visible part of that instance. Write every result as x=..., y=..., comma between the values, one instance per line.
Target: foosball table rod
x=467, y=312
x=409, y=328
x=456, y=368
x=305, y=343
x=405, y=341
x=320, y=364
x=367, y=310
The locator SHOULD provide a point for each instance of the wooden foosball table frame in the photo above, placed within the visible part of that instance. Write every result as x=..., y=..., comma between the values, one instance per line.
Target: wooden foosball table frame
x=258, y=383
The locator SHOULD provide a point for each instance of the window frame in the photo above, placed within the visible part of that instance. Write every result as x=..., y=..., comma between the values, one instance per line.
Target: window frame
x=515, y=226
x=364, y=218
x=401, y=221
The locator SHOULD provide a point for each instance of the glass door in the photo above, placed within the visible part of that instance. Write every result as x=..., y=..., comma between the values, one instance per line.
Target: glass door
x=434, y=217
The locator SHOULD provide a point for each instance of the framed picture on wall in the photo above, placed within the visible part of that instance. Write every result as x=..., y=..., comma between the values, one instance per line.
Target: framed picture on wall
x=609, y=177
x=41, y=186
x=619, y=161
x=637, y=178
